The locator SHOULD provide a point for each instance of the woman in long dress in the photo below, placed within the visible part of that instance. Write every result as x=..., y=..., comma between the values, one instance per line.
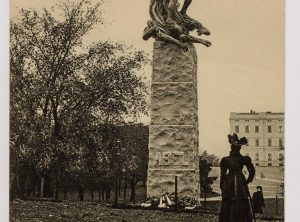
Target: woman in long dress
x=258, y=201
x=236, y=202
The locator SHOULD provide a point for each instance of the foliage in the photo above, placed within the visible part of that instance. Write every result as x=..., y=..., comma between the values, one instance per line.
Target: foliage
x=69, y=102
x=205, y=180
x=211, y=158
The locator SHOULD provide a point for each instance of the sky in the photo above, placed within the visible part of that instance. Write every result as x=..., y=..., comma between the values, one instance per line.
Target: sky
x=243, y=70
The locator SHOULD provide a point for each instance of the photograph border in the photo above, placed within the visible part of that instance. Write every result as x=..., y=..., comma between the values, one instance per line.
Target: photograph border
x=292, y=107
x=4, y=110
x=292, y=110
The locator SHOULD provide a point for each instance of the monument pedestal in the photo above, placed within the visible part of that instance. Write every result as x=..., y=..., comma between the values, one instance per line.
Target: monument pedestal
x=173, y=132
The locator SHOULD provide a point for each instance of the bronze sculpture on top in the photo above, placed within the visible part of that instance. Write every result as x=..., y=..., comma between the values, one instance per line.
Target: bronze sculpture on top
x=171, y=25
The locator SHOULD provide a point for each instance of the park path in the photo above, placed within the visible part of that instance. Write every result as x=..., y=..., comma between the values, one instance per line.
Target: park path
x=268, y=179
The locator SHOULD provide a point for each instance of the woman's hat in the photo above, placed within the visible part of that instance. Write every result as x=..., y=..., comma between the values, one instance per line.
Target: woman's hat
x=235, y=141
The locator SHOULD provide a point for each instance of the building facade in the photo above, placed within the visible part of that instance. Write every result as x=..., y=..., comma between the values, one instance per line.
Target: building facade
x=265, y=134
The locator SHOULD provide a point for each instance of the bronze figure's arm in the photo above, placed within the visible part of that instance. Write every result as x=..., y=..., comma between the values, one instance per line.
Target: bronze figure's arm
x=192, y=39
x=185, y=6
x=170, y=25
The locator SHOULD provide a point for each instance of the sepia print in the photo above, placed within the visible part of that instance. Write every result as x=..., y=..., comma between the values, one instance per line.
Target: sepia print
x=147, y=110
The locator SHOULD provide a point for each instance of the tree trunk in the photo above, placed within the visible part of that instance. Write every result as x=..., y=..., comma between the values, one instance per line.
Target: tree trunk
x=103, y=192
x=65, y=194
x=116, y=190
x=108, y=190
x=22, y=184
x=56, y=191
x=100, y=194
x=119, y=186
x=54, y=104
x=132, y=185
x=92, y=194
x=125, y=187
x=42, y=187
x=12, y=189
x=56, y=187
x=81, y=193
x=14, y=176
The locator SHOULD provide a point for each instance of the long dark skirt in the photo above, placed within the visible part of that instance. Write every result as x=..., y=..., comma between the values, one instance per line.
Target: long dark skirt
x=235, y=211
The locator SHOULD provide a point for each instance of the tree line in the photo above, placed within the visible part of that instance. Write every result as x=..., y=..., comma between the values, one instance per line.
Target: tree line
x=206, y=162
x=72, y=106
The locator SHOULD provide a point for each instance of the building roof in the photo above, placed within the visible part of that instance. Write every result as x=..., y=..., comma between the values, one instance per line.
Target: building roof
x=257, y=115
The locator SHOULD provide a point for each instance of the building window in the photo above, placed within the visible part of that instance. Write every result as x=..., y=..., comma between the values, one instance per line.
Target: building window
x=280, y=143
x=269, y=164
x=257, y=129
x=256, y=142
x=269, y=142
x=247, y=129
x=257, y=164
x=269, y=129
x=270, y=157
x=280, y=157
x=237, y=129
x=256, y=157
x=280, y=129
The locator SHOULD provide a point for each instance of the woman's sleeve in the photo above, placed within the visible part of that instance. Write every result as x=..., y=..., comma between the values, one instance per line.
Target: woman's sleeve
x=223, y=172
x=250, y=168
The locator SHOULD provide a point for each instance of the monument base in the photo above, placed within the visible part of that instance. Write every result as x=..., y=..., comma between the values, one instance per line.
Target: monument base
x=173, y=131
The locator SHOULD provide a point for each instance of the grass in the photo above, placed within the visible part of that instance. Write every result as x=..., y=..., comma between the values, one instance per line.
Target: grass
x=214, y=206
x=30, y=211
x=65, y=211
x=269, y=211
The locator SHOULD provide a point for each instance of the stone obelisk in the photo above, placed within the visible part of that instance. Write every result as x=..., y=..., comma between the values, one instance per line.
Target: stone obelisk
x=173, y=133
x=173, y=130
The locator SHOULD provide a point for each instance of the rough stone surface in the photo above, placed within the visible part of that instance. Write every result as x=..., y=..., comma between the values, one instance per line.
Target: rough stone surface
x=166, y=141
x=173, y=65
x=173, y=103
x=166, y=183
x=173, y=138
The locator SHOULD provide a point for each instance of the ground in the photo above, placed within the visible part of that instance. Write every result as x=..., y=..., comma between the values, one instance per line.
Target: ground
x=31, y=211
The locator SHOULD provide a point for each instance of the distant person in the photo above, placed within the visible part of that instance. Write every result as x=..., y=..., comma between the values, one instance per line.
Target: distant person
x=258, y=200
x=236, y=203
